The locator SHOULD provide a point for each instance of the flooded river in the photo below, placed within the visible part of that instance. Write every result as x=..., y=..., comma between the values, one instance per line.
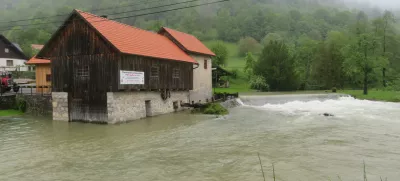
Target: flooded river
x=290, y=132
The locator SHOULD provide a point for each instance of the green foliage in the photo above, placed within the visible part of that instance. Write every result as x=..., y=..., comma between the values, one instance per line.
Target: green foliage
x=234, y=73
x=326, y=41
x=215, y=109
x=20, y=104
x=375, y=95
x=247, y=45
x=221, y=54
x=276, y=65
x=259, y=83
x=250, y=63
x=10, y=113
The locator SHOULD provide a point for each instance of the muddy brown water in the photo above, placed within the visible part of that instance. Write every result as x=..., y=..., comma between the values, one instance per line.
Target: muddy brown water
x=289, y=132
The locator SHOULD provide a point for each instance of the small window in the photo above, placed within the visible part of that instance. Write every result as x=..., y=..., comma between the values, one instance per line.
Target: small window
x=154, y=71
x=176, y=73
x=83, y=72
x=6, y=50
x=48, y=77
x=205, y=64
x=10, y=63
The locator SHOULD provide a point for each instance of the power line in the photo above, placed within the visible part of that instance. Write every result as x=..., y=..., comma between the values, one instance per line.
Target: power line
x=130, y=11
x=138, y=15
x=92, y=10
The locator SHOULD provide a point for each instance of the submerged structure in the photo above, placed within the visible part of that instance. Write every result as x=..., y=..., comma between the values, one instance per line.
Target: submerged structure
x=109, y=72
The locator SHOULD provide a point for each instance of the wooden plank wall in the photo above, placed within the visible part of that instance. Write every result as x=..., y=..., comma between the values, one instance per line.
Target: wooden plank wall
x=41, y=71
x=165, y=79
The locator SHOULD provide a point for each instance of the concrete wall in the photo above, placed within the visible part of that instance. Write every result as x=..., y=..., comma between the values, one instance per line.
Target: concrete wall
x=202, y=80
x=128, y=106
x=60, y=106
x=16, y=62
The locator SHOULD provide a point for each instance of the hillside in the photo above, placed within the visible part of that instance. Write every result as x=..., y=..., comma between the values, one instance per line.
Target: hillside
x=319, y=35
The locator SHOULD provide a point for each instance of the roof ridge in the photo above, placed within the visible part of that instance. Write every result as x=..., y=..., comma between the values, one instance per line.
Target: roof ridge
x=179, y=31
x=106, y=19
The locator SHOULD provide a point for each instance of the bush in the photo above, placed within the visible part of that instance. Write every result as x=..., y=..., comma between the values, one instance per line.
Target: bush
x=334, y=89
x=258, y=83
x=234, y=73
x=20, y=104
x=215, y=109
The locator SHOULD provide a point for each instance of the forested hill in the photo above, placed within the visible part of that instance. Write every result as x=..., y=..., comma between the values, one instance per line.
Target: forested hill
x=228, y=21
x=329, y=42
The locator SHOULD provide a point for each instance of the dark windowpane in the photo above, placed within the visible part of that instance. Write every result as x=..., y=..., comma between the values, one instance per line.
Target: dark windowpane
x=48, y=77
x=154, y=72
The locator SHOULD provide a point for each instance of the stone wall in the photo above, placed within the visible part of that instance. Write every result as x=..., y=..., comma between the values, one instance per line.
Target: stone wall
x=37, y=105
x=202, y=80
x=128, y=106
x=60, y=106
x=7, y=102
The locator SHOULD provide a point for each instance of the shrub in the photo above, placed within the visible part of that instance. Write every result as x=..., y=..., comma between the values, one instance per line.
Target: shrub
x=334, y=89
x=234, y=73
x=259, y=83
x=215, y=109
x=20, y=104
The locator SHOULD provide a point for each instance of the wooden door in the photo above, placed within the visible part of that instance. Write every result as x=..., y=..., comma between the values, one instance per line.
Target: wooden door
x=86, y=104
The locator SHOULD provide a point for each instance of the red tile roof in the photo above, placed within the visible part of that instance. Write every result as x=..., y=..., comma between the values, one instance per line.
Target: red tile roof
x=131, y=40
x=190, y=42
x=37, y=47
x=35, y=60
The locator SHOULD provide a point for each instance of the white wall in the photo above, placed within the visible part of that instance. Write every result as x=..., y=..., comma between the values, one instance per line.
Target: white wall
x=16, y=62
x=202, y=80
x=129, y=106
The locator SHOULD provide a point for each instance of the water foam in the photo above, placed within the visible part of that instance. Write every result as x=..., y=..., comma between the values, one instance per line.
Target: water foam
x=343, y=106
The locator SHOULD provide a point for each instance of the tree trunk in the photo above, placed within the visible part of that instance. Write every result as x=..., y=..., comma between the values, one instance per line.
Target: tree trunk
x=365, y=81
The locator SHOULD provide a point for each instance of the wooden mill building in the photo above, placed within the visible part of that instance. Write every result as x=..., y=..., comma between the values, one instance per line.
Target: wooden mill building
x=106, y=71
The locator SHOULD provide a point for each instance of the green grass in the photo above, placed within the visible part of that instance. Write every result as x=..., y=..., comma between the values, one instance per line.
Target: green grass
x=10, y=113
x=375, y=95
x=234, y=61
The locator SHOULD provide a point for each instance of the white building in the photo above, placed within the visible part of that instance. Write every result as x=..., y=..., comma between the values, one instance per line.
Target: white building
x=202, y=73
x=11, y=56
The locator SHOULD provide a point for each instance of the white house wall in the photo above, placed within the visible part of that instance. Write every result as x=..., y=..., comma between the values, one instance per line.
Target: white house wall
x=202, y=80
x=20, y=63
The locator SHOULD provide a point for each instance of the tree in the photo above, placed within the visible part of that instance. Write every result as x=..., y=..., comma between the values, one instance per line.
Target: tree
x=271, y=37
x=221, y=54
x=276, y=65
x=250, y=62
x=329, y=61
x=248, y=44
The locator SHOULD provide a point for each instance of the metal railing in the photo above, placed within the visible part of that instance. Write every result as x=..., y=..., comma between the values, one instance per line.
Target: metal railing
x=30, y=90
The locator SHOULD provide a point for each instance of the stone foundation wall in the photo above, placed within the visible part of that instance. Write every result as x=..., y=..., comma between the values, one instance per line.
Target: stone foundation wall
x=201, y=95
x=37, y=105
x=60, y=106
x=7, y=102
x=128, y=106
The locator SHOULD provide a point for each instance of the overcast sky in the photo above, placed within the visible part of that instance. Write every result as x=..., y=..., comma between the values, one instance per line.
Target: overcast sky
x=392, y=4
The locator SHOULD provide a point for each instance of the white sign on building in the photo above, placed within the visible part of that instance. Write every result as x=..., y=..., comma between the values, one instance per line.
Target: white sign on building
x=131, y=78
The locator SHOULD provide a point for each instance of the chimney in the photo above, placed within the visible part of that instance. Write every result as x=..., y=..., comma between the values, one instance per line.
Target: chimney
x=104, y=16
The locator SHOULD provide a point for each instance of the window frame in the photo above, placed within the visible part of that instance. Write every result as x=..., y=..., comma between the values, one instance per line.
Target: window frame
x=12, y=63
x=176, y=73
x=48, y=77
x=157, y=71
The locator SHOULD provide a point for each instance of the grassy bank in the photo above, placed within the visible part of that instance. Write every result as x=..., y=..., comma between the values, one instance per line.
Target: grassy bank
x=10, y=113
x=375, y=95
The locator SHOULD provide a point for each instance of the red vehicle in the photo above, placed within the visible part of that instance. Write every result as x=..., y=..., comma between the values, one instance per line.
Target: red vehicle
x=7, y=83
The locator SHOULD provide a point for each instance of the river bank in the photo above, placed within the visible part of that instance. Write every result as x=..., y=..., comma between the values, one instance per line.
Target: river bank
x=374, y=95
x=10, y=112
